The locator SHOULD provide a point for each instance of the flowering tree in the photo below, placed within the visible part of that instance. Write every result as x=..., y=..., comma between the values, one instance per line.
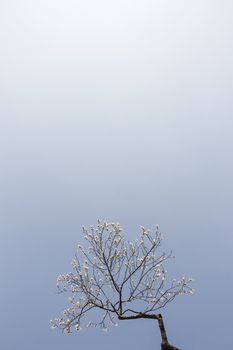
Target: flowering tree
x=123, y=280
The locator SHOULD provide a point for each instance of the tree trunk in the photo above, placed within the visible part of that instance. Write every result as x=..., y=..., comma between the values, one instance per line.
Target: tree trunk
x=168, y=347
x=165, y=344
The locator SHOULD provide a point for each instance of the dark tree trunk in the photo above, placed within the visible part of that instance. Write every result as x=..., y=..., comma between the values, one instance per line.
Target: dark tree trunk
x=168, y=347
x=165, y=344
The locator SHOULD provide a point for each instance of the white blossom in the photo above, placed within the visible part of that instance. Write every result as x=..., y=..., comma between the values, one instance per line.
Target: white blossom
x=110, y=266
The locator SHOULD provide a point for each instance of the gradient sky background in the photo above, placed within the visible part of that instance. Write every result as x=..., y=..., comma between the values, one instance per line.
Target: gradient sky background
x=120, y=110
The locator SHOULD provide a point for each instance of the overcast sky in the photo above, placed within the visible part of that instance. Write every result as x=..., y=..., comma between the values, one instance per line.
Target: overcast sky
x=120, y=110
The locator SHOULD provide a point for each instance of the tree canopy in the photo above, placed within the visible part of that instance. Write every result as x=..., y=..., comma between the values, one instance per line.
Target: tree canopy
x=121, y=279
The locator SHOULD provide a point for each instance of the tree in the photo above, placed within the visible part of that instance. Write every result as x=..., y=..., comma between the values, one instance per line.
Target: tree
x=124, y=280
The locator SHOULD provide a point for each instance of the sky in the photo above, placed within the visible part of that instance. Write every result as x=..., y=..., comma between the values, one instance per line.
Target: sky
x=118, y=110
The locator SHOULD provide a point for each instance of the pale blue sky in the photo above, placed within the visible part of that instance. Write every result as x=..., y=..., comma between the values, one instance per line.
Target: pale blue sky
x=119, y=110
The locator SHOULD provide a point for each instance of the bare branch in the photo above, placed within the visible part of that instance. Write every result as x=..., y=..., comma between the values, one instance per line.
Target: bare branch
x=117, y=277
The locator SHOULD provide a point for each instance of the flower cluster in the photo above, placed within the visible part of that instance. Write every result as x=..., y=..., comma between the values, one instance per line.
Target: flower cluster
x=117, y=277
